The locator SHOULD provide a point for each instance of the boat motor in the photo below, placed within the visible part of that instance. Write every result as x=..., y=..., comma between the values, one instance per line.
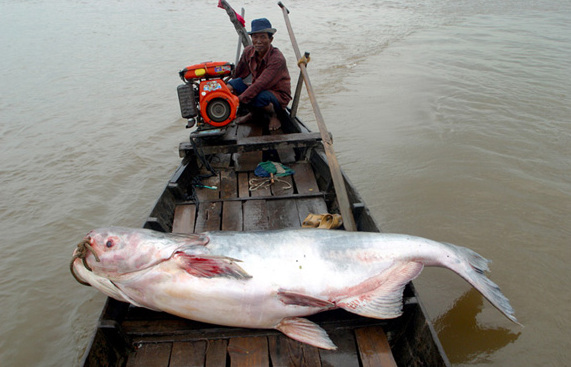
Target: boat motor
x=204, y=98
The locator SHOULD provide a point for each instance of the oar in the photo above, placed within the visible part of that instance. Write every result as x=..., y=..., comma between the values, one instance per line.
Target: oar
x=336, y=175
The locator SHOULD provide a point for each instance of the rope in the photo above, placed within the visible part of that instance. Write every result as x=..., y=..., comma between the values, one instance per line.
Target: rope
x=264, y=182
x=304, y=60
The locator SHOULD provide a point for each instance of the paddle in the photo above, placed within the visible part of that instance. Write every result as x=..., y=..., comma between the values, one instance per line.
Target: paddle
x=336, y=175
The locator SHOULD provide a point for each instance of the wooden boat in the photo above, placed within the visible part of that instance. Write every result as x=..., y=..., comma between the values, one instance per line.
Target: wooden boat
x=215, y=189
x=131, y=336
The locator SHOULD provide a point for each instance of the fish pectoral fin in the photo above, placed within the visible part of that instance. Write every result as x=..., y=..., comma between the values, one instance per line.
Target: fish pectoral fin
x=382, y=295
x=305, y=331
x=205, y=266
x=298, y=299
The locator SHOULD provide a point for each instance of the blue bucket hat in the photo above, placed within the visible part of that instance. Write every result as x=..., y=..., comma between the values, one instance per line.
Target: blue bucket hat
x=262, y=25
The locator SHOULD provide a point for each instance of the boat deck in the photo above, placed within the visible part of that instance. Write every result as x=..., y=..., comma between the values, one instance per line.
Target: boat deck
x=233, y=201
x=243, y=202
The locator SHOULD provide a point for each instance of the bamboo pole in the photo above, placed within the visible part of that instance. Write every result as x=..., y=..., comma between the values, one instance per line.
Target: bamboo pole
x=336, y=175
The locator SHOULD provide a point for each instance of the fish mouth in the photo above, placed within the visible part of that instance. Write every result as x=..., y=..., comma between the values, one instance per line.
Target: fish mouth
x=81, y=252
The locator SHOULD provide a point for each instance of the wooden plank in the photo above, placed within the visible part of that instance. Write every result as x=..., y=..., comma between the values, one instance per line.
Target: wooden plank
x=220, y=160
x=286, y=352
x=283, y=214
x=184, y=218
x=258, y=187
x=282, y=186
x=346, y=354
x=285, y=154
x=257, y=143
x=228, y=184
x=232, y=216
x=255, y=215
x=244, y=162
x=203, y=193
x=180, y=330
x=310, y=205
x=248, y=352
x=247, y=161
x=253, y=139
x=151, y=355
x=208, y=218
x=304, y=178
x=216, y=353
x=243, y=186
x=230, y=133
x=374, y=347
x=188, y=354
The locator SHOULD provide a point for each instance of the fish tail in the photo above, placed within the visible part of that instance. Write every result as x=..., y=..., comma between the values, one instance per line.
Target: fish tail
x=472, y=267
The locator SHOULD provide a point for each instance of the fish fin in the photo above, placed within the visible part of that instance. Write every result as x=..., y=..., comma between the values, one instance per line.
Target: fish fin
x=305, y=331
x=201, y=239
x=205, y=266
x=298, y=299
x=130, y=300
x=384, y=301
x=472, y=267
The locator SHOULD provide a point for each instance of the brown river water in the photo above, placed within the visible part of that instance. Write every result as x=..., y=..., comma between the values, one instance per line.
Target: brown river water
x=452, y=118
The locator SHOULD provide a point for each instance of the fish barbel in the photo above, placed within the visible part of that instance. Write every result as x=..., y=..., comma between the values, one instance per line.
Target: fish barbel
x=270, y=279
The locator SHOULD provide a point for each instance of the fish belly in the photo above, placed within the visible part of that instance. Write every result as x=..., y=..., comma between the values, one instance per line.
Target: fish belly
x=253, y=302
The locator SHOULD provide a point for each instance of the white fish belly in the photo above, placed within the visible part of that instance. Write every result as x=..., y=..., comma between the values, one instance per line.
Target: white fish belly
x=252, y=302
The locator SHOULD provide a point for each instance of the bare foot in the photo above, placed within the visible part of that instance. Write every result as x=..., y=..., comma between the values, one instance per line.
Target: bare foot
x=243, y=119
x=275, y=123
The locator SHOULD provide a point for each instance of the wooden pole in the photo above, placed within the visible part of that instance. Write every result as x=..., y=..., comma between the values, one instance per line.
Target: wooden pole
x=336, y=175
x=297, y=95
x=238, y=49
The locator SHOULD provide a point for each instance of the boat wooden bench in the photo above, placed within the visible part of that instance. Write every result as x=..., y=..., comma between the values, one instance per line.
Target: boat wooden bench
x=256, y=143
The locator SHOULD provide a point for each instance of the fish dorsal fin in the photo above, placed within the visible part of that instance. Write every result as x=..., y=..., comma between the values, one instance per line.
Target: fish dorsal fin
x=305, y=331
x=208, y=266
x=298, y=299
x=384, y=301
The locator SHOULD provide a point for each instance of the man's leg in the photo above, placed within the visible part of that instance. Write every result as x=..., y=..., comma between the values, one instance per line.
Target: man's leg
x=275, y=123
x=265, y=100
x=268, y=102
x=237, y=86
x=244, y=119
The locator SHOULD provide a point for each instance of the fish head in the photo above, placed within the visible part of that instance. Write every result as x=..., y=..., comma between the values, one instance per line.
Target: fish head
x=115, y=251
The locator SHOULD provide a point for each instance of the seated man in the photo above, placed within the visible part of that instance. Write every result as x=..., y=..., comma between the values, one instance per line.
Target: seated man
x=270, y=89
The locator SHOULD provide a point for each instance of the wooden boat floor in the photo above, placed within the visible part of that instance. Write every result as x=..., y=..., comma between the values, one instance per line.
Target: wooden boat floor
x=241, y=203
x=245, y=202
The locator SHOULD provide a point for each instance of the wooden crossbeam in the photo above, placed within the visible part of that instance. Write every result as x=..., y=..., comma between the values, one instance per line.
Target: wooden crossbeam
x=257, y=143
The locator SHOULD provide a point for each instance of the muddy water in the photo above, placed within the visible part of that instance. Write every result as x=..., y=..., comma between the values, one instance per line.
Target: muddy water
x=452, y=119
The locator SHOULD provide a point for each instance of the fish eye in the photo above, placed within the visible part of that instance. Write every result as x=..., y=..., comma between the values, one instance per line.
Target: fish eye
x=109, y=243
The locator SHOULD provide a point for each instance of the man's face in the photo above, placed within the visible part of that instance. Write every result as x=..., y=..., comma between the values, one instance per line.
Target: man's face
x=261, y=42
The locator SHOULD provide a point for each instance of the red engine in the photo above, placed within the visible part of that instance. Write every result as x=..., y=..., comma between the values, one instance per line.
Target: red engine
x=205, y=98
